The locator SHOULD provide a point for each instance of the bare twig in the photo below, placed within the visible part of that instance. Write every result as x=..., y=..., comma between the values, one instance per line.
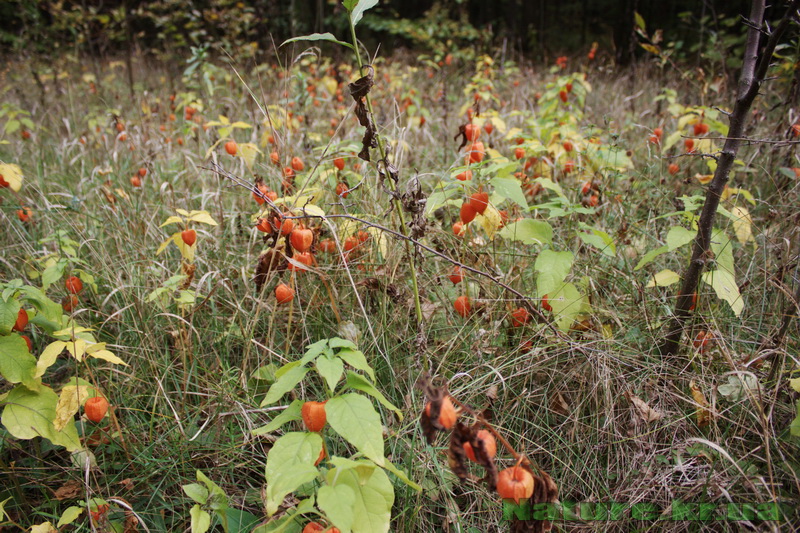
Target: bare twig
x=754, y=69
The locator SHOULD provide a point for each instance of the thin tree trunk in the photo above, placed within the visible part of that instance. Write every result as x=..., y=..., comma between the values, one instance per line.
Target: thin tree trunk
x=754, y=69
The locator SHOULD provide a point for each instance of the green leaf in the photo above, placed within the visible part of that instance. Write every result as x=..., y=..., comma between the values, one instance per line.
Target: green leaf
x=197, y=492
x=69, y=515
x=30, y=413
x=401, y=475
x=359, y=382
x=359, y=8
x=338, y=342
x=678, y=236
x=318, y=37
x=53, y=273
x=314, y=350
x=549, y=184
x=723, y=251
x=3, y=513
x=290, y=464
x=599, y=239
x=724, y=284
x=511, y=189
x=794, y=428
x=665, y=278
x=649, y=256
x=354, y=418
x=795, y=384
x=374, y=497
x=17, y=365
x=330, y=369
x=201, y=520
x=553, y=268
x=567, y=303
x=356, y=359
x=285, y=382
x=290, y=414
x=240, y=521
x=337, y=504
x=528, y=231
x=9, y=309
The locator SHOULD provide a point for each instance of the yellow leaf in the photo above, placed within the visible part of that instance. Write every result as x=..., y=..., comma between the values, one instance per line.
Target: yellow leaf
x=330, y=84
x=248, y=152
x=48, y=357
x=795, y=384
x=46, y=527
x=224, y=120
x=490, y=221
x=310, y=210
x=77, y=348
x=703, y=414
x=665, y=278
x=650, y=48
x=12, y=175
x=513, y=134
x=71, y=332
x=163, y=246
x=742, y=224
x=493, y=154
x=182, y=212
x=106, y=355
x=704, y=178
x=171, y=220
x=241, y=125
x=203, y=217
x=186, y=251
x=69, y=401
x=380, y=240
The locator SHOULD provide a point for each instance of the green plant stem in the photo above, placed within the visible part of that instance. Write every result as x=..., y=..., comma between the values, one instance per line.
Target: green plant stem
x=398, y=206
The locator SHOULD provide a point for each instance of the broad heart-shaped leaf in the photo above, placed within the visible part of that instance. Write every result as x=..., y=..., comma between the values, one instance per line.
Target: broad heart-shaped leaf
x=665, y=278
x=291, y=413
x=314, y=350
x=330, y=369
x=201, y=520
x=290, y=463
x=337, y=504
x=528, y=231
x=69, y=401
x=17, y=365
x=49, y=314
x=357, y=11
x=678, y=236
x=12, y=175
x=197, y=492
x=724, y=284
x=240, y=521
x=553, y=268
x=30, y=414
x=567, y=303
x=69, y=515
x=318, y=37
x=53, y=273
x=649, y=256
x=203, y=217
x=723, y=251
x=285, y=382
x=9, y=309
x=354, y=418
x=49, y=356
x=356, y=359
x=511, y=189
x=359, y=382
x=374, y=497
x=599, y=239
x=217, y=499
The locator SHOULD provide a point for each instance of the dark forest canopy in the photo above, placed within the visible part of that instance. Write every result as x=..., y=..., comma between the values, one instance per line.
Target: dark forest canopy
x=540, y=29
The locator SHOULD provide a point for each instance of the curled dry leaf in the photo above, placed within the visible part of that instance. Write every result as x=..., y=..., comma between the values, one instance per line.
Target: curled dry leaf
x=359, y=90
x=69, y=490
x=703, y=414
x=545, y=491
x=645, y=412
